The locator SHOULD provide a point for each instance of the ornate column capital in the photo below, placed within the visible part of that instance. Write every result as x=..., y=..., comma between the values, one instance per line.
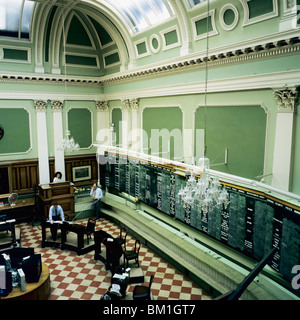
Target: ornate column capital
x=40, y=105
x=102, y=105
x=125, y=104
x=57, y=105
x=134, y=103
x=286, y=99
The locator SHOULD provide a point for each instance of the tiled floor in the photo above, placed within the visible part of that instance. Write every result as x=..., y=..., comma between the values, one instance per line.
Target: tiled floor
x=83, y=278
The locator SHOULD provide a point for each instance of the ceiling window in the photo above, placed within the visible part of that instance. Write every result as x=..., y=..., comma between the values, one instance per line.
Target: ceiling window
x=15, y=18
x=142, y=14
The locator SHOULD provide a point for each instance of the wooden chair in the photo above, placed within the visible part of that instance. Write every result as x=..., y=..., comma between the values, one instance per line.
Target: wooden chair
x=121, y=240
x=132, y=254
x=143, y=292
x=90, y=228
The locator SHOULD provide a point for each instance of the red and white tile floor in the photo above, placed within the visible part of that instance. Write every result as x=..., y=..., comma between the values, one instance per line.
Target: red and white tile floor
x=76, y=277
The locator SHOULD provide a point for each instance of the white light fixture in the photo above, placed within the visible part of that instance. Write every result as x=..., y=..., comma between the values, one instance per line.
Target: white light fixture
x=68, y=144
x=208, y=191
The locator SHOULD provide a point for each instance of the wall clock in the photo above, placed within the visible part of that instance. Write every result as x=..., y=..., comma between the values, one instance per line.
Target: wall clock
x=1, y=132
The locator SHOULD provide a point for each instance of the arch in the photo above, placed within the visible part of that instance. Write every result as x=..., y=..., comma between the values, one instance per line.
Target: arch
x=38, y=26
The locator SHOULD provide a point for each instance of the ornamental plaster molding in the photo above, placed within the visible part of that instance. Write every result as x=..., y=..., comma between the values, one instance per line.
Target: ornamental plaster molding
x=102, y=105
x=286, y=99
x=57, y=105
x=125, y=104
x=284, y=43
x=40, y=105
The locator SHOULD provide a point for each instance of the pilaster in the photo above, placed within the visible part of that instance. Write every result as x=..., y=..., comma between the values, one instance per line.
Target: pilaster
x=282, y=160
x=57, y=107
x=42, y=139
x=126, y=123
x=135, y=136
x=104, y=136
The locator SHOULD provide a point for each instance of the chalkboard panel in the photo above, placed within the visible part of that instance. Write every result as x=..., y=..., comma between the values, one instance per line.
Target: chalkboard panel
x=253, y=223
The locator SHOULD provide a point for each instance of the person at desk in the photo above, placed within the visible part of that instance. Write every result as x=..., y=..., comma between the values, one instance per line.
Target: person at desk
x=55, y=213
x=96, y=194
x=57, y=177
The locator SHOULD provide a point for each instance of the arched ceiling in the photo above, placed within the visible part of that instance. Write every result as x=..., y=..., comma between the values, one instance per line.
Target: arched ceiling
x=97, y=34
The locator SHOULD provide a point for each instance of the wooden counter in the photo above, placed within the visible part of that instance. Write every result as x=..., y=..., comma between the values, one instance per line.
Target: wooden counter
x=62, y=192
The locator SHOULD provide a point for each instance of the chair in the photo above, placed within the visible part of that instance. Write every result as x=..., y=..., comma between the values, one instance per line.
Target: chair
x=143, y=292
x=90, y=229
x=120, y=239
x=132, y=254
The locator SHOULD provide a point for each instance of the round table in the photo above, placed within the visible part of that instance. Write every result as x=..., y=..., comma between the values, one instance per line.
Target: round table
x=34, y=291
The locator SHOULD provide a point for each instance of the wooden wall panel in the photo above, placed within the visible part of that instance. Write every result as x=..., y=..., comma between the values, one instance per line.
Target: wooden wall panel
x=25, y=173
x=84, y=160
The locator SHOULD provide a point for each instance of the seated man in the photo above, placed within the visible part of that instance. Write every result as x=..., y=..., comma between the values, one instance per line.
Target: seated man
x=55, y=213
x=96, y=194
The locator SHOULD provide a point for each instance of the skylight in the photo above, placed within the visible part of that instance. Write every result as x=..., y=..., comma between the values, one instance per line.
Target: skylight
x=142, y=14
x=15, y=18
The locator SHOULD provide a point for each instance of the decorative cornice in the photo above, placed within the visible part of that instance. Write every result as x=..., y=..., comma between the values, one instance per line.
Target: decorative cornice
x=215, y=59
x=258, y=49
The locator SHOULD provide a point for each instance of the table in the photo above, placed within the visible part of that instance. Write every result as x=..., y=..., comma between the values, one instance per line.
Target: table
x=114, y=250
x=67, y=240
x=17, y=211
x=34, y=291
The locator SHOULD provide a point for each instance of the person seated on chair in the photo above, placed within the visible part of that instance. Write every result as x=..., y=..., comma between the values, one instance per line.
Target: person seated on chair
x=96, y=194
x=57, y=177
x=56, y=212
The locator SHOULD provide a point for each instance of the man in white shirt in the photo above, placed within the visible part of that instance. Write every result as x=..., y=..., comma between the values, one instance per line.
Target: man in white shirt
x=55, y=213
x=96, y=194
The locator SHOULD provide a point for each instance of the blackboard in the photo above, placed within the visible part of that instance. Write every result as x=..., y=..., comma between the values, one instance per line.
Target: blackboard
x=253, y=223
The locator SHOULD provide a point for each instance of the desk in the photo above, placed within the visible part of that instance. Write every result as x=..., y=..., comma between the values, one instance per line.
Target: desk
x=111, y=256
x=34, y=291
x=9, y=225
x=62, y=192
x=68, y=242
x=46, y=242
x=67, y=239
x=22, y=209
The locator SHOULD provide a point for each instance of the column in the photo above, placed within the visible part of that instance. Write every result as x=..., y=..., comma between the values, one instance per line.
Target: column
x=40, y=107
x=57, y=107
x=136, y=138
x=283, y=138
x=126, y=124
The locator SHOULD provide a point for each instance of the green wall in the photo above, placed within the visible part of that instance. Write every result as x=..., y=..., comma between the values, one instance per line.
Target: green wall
x=242, y=130
x=116, y=118
x=16, y=124
x=163, y=124
x=80, y=126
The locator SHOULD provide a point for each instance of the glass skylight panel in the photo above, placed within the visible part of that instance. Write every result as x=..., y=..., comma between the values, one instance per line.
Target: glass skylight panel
x=26, y=17
x=11, y=11
x=142, y=14
x=192, y=3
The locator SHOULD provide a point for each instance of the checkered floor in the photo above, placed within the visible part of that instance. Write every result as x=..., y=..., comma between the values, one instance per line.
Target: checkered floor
x=76, y=277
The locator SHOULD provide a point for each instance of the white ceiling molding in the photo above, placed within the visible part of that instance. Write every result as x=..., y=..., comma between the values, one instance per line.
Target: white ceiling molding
x=265, y=81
